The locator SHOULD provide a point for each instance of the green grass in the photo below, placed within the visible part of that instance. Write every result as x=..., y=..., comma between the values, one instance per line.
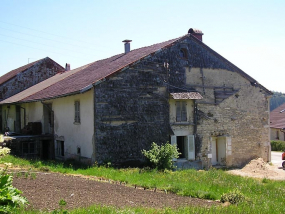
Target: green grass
x=263, y=195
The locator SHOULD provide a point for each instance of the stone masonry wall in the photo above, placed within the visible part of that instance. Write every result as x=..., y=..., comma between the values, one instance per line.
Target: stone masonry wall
x=132, y=107
x=38, y=72
x=131, y=112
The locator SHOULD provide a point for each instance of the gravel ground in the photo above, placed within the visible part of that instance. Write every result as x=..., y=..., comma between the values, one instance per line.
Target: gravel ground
x=45, y=190
x=257, y=168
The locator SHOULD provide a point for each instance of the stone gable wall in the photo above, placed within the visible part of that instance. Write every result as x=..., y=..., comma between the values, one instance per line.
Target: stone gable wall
x=38, y=72
x=132, y=107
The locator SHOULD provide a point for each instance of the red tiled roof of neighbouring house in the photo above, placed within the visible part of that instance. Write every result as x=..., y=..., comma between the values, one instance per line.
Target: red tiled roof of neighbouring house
x=93, y=73
x=277, y=117
x=14, y=72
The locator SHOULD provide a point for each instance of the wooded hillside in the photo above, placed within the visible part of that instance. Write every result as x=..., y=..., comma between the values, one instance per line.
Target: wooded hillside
x=276, y=100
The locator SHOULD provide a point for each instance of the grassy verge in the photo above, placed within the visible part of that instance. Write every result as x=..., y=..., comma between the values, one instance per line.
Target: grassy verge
x=263, y=196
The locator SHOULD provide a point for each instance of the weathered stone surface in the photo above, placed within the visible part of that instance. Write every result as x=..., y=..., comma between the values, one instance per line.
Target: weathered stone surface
x=132, y=107
x=40, y=71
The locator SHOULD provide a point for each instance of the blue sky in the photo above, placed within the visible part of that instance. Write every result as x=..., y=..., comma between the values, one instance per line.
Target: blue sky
x=248, y=33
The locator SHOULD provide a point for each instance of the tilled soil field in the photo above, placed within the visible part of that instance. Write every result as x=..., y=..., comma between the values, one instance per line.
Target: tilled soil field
x=45, y=190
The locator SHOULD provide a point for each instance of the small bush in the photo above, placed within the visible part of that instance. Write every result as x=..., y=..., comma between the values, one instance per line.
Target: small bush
x=160, y=157
x=10, y=197
x=277, y=145
x=4, y=151
x=233, y=197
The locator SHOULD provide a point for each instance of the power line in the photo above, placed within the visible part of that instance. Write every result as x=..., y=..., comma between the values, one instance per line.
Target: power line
x=38, y=43
x=42, y=49
x=48, y=39
x=46, y=32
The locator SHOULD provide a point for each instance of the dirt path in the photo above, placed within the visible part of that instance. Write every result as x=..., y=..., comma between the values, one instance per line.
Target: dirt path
x=47, y=189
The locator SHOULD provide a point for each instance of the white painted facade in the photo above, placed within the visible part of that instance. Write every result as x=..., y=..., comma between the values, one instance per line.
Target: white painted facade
x=74, y=135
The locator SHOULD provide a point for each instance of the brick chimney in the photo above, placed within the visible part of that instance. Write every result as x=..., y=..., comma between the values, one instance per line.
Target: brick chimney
x=196, y=32
x=67, y=67
x=127, y=45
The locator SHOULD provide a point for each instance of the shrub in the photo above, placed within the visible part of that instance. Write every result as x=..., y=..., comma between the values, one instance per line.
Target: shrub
x=233, y=197
x=277, y=145
x=4, y=151
x=160, y=157
x=10, y=197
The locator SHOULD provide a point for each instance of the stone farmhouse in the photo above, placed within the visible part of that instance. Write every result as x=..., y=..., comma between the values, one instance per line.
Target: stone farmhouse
x=22, y=78
x=277, y=123
x=179, y=91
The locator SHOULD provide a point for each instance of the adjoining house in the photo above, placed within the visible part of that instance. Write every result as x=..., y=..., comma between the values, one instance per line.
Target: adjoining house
x=277, y=123
x=179, y=91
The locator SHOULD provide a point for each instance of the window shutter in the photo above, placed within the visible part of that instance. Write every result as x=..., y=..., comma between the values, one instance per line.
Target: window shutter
x=77, y=111
x=191, y=147
x=178, y=111
x=183, y=111
x=173, y=142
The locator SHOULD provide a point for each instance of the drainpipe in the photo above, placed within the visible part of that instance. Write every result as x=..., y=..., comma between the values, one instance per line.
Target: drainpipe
x=195, y=119
x=93, y=158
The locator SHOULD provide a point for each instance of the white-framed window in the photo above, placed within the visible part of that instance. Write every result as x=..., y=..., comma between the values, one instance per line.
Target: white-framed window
x=59, y=148
x=181, y=111
x=76, y=112
x=185, y=145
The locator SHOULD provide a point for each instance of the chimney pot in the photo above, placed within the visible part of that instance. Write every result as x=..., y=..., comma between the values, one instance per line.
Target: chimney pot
x=67, y=67
x=127, y=45
x=196, y=32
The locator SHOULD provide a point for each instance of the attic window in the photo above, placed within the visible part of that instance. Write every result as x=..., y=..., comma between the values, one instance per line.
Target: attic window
x=183, y=53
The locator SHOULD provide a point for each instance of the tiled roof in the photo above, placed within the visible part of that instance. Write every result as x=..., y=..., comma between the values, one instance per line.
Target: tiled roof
x=24, y=95
x=83, y=76
x=277, y=117
x=14, y=72
x=95, y=72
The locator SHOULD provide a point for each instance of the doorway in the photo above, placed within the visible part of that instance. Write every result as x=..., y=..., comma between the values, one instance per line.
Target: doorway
x=48, y=118
x=219, y=151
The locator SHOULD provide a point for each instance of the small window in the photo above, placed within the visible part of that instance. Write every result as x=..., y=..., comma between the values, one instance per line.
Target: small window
x=277, y=135
x=183, y=53
x=181, y=111
x=77, y=112
x=78, y=151
x=59, y=148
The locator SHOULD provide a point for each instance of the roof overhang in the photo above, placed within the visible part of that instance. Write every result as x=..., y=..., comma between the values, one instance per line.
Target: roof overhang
x=186, y=96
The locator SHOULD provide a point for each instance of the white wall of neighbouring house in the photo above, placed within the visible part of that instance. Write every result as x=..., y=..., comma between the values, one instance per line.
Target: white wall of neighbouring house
x=34, y=111
x=74, y=134
x=8, y=116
